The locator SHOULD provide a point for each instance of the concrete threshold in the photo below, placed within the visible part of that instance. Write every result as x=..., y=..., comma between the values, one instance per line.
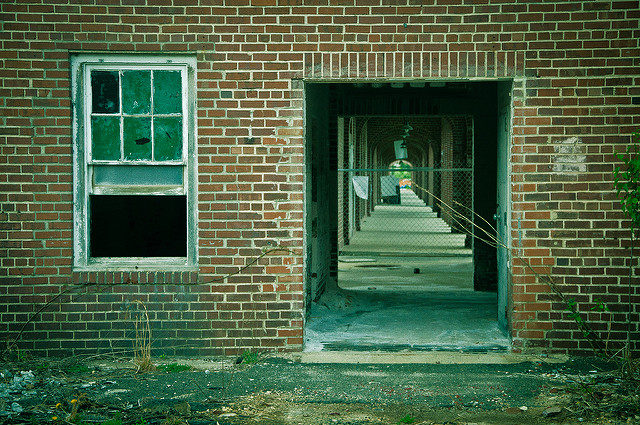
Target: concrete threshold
x=344, y=357
x=433, y=357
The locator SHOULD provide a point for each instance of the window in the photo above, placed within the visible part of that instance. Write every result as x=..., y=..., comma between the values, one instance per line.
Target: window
x=134, y=170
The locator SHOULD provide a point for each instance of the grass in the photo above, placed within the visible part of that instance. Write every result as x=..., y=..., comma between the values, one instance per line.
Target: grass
x=117, y=420
x=173, y=367
x=407, y=419
x=142, y=357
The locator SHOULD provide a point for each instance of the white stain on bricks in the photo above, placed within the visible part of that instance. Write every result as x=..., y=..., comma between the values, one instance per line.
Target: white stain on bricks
x=569, y=156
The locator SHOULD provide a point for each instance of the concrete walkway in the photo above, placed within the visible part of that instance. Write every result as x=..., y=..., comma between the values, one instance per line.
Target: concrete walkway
x=408, y=283
x=396, y=321
x=392, y=308
x=408, y=229
x=478, y=384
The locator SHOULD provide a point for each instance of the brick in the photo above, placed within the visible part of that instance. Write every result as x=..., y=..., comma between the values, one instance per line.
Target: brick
x=574, y=88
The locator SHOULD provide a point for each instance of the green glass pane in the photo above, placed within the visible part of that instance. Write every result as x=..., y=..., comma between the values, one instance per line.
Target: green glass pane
x=136, y=92
x=167, y=138
x=167, y=92
x=137, y=138
x=105, y=137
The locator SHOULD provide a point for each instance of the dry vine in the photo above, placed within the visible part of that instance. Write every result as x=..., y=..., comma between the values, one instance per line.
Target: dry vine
x=489, y=236
x=78, y=288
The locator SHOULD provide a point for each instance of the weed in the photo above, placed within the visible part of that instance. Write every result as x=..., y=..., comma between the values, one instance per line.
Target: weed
x=599, y=344
x=572, y=308
x=142, y=344
x=251, y=357
x=79, y=421
x=626, y=179
x=172, y=420
x=12, y=352
x=23, y=355
x=117, y=420
x=600, y=306
x=407, y=419
x=73, y=415
x=77, y=368
x=173, y=367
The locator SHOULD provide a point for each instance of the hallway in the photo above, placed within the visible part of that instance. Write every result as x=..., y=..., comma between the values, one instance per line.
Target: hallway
x=408, y=229
x=388, y=319
x=409, y=281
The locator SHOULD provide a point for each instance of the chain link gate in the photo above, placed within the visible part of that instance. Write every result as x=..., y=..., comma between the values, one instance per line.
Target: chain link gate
x=409, y=212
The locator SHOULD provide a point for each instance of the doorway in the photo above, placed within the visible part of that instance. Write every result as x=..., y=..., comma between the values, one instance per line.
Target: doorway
x=397, y=183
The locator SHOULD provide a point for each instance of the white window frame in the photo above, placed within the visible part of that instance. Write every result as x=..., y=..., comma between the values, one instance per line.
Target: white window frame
x=81, y=66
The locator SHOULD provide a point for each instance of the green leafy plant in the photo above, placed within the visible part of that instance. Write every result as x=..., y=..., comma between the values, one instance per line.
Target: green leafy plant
x=23, y=355
x=626, y=179
x=627, y=183
x=251, y=357
x=77, y=368
x=407, y=419
x=572, y=308
x=600, y=306
x=73, y=415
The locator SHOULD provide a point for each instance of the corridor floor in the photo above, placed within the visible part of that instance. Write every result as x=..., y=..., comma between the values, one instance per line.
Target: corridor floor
x=395, y=309
x=404, y=296
x=411, y=228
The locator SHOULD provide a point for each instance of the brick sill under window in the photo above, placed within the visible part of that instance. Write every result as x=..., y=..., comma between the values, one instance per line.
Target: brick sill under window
x=128, y=272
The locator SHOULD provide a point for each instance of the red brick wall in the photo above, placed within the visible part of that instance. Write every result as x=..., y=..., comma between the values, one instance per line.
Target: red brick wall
x=575, y=66
x=446, y=162
x=456, y=186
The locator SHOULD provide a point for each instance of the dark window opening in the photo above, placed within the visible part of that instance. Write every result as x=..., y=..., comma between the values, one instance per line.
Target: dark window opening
x=104, y=91
x=138, y=226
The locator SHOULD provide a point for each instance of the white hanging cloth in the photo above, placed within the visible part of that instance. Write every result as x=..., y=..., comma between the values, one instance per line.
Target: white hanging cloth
x=361, y=186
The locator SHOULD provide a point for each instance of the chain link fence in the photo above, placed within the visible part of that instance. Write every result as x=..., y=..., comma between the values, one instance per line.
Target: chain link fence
x=405, y=212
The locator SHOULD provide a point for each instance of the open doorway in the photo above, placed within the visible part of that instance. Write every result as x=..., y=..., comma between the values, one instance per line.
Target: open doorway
x=396, y=177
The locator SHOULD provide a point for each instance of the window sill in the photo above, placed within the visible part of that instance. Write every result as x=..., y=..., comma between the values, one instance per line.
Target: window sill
x=137, y=264
x=137, y=190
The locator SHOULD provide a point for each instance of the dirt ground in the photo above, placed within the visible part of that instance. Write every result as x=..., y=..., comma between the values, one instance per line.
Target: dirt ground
x=253, y=389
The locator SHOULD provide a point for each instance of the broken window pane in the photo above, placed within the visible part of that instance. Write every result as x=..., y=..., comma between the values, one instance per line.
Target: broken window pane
x=136, y=92
x=137, y=138
x=167, y=138
x=132, y=175
x=167, y=92
x=104, y=92
x=105, y=137
x=138, y=226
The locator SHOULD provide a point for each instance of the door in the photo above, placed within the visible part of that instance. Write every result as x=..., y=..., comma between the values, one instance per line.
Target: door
x=503, y=204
